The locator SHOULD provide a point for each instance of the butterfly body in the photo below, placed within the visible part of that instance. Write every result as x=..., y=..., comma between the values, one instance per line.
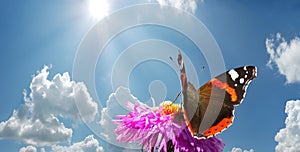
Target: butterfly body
x=209, y=110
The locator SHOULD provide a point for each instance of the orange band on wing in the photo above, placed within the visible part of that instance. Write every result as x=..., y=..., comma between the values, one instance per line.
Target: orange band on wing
x=219, y=127
x=188, y=123
x=183, y=80
x=225, y=86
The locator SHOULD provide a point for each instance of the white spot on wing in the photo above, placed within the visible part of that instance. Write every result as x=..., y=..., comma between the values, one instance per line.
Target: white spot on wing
x=233, y=74
x=242, y=80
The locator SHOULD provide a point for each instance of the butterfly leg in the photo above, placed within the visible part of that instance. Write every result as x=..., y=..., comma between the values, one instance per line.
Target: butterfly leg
x=176, y=97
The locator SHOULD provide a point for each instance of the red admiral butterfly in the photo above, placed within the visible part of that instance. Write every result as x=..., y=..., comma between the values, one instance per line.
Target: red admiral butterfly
x=215, y=100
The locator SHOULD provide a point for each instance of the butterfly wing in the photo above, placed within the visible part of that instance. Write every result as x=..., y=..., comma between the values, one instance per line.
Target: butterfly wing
x=228, y=90
x=210, y=109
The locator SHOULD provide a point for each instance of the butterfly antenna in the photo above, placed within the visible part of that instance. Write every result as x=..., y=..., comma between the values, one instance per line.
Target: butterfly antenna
x=176, y=97
x=175, y=64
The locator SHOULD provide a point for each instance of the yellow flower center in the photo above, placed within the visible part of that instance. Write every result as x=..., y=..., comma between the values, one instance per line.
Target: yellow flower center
x=169, y=108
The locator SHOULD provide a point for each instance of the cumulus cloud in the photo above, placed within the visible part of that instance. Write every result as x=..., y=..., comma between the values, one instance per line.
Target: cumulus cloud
x=115, y=105
x=89, y=144
x=285, y=55
x=28, y=149
x=234, y=149
x=59, y=97
x=288, y=138
x=35, y=131
x=37, y=121
x=187, y=5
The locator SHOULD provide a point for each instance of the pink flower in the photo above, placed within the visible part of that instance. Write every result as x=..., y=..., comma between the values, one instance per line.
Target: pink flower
x=159, y=129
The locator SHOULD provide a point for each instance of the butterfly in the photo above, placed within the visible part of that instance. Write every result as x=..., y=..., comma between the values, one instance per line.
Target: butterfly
x=209, y=110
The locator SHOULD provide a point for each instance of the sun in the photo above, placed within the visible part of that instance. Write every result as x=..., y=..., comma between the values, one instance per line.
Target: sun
x=98, y=8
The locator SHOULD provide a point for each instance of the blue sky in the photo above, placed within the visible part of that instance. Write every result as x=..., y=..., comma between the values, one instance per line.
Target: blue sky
x=35, y=34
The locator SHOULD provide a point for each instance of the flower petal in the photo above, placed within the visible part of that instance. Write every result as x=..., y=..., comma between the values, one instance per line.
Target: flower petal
x=156, y=129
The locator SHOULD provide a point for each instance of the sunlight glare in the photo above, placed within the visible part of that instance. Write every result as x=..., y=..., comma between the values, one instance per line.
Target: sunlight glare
x=98, y=8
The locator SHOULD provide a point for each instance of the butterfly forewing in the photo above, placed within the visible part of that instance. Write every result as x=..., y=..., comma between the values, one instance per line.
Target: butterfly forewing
x=210, y=109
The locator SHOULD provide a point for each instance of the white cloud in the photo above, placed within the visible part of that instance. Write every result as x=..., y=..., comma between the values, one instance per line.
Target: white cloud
x=288, y=138
x=285, y=55
x=28, y=149
x=89, y=144
x=116, y=105
x=34, y=131
x=187, y=5
x=37, y=121
x=59, y=97
x=234, y=149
